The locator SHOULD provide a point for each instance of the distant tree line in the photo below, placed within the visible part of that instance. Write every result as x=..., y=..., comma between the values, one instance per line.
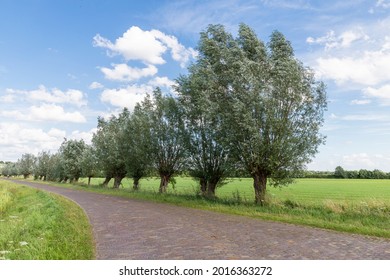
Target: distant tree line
x=245, y=108
x=340, y=173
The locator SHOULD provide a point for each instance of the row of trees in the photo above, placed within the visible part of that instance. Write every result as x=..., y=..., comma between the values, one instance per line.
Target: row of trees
x=244, y=105
x=340, y=173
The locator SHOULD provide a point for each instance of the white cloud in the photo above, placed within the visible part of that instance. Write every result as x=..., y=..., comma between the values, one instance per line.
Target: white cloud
x=382, y=93
x=370, y=68
x=365, y=117
x=95, y=85
x=9, y=98
x=125, y=97
x=178, y=51
x=71, y=96
x=45, y=112
x=360, y=101
x=365, y=161
x=162, y=82
x=329, y=40
x=344, y=40
x=123, y=72
x=50, y=112
x=84, y=135
x=146, y=46
x=16, y=139
x=383, y=4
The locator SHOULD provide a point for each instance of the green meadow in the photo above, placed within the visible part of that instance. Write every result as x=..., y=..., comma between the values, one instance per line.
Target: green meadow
x=37, y=225
x=357, y=206
x=304, y=191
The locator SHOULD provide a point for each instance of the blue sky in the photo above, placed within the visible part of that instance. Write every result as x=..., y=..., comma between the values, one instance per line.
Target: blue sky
x=64, y=63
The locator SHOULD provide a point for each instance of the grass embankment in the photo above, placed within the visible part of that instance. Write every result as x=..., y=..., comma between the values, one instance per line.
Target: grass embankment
x=355, y=206
x=36, y=225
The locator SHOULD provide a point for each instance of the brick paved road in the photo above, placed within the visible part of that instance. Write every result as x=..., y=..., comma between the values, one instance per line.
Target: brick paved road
x=130, y=229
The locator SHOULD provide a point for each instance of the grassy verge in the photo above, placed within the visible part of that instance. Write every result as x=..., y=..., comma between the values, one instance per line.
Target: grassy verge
x=369, y=216
x=36, y=225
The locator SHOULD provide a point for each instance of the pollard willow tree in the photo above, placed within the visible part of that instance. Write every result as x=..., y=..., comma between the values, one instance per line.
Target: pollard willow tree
x=26, y=165
x=139, y=149
x=71, y=152
x=271, y=105
x=209, y=160
x=166, y=132
x=110, y=147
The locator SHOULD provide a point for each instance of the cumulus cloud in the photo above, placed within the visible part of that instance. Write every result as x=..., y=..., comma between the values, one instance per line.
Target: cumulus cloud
x=145, y=46
x=70, y=96
x=45, y=112
x=9, y=98
x=17, y=139
x=383, y=93
x=162, y=82
x=123, y=72
x=95, y=85
x=178, y=51
x=370, y=68
x=126, y=97
x=83, y=135
x=50, y=112
x=344, y=40
x=365, y=161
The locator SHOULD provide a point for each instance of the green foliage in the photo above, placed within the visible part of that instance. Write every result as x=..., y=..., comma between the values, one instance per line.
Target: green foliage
x=339, y=172
x=139, y=149
x=26, y=165
x=9, y=169
x=71, y=152
x=166, y=134
x=110, y=145
x=244, y=106
x=209, y=160
x=89, y=162
x=42, y=165
x=270, y=105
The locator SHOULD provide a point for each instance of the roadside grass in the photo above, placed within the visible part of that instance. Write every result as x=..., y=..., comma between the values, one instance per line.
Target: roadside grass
x=354, y=206
x=37, y=225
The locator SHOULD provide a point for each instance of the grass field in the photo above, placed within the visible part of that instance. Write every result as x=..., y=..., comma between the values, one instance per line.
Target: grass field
x=357, y=206
x=36, y=225
x=305, y=191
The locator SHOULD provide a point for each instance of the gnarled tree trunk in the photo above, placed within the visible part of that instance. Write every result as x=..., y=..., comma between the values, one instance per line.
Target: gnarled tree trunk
x=136, y=183
x=203, y=186
x=164, y=182
x=117, y=181
x=106, y=181
x=260, y=186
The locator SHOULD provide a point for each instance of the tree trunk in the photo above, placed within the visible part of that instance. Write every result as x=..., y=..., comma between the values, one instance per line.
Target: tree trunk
x=164, y=182
x=136, y=183
x=25, y=176
x=106, y=181
x=89, y=180
x=117, y=181
x=211, y=186
x=260, y=185
x=203, y=186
